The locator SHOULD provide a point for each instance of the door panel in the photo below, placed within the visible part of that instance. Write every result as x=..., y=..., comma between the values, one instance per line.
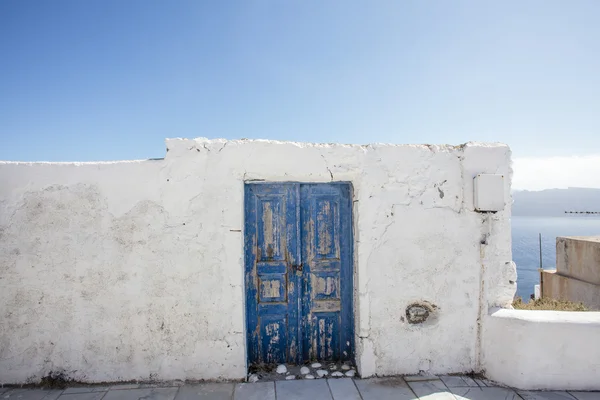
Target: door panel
x=298, y=264
x=326, y=211
x=271, y=235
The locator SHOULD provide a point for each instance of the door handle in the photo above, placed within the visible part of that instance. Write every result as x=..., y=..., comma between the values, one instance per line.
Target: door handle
x=298, y=268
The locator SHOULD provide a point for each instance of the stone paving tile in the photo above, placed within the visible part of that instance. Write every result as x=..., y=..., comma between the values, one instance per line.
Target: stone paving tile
x=458, y=381
x=31, y=394
x=255, y=391
x=384, y=389
x=173, y=383
x=53, y=394
x=420, y=377
x=431, y=390
x=303, y=390
x=206, y=391
x=85, y=389
x=539, y=395
x=485, y=393
x=586, y=395
x=495, y=384
x=470, y=381
x=83, y=396
x=488, y=383
x=125, y=386
x=343, y=389
x=136, y=394
x=463, y=388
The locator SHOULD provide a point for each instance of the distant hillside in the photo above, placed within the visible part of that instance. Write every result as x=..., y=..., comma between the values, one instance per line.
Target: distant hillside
x=554, y=202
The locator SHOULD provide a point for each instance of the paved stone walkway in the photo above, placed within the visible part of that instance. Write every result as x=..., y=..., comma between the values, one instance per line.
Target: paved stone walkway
x=407, y=388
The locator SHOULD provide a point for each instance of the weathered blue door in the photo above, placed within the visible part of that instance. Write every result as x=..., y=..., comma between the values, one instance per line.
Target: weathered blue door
x=298, y=262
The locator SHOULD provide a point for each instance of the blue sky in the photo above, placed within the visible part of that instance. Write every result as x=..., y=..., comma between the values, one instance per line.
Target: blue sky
x=110, y=79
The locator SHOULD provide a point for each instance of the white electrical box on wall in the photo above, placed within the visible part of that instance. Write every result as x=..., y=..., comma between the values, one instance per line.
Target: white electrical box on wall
x=489, y=192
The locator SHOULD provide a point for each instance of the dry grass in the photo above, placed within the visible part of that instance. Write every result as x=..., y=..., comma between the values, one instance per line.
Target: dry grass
x=549, y=304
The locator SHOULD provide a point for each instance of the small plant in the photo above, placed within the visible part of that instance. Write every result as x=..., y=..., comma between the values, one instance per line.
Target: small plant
x=549, y=304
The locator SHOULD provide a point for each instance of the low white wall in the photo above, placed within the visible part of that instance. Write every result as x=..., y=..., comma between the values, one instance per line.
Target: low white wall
x=543, y=349
x=134, y=270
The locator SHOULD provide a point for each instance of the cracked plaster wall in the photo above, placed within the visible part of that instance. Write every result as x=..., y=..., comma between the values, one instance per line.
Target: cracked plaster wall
x=134, y=270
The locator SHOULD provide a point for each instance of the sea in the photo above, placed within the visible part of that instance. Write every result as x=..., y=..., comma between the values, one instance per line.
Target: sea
x=526, y=248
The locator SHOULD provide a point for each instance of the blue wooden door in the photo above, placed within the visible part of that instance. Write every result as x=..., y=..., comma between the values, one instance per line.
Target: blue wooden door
x=298, y=272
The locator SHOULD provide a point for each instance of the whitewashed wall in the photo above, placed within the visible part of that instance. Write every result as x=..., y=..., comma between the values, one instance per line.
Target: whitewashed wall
x=133, y=270
x=543, y=349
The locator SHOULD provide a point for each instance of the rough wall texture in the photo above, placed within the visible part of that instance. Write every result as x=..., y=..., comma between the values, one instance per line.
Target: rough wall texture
x=134, y=270
x=579, y=257
x=557, y=286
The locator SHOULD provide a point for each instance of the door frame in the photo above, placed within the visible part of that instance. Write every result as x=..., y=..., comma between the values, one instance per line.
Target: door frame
x=353, y=273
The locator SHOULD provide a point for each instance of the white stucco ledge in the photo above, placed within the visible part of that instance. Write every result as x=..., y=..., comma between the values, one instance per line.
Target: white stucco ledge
x=552, y=350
